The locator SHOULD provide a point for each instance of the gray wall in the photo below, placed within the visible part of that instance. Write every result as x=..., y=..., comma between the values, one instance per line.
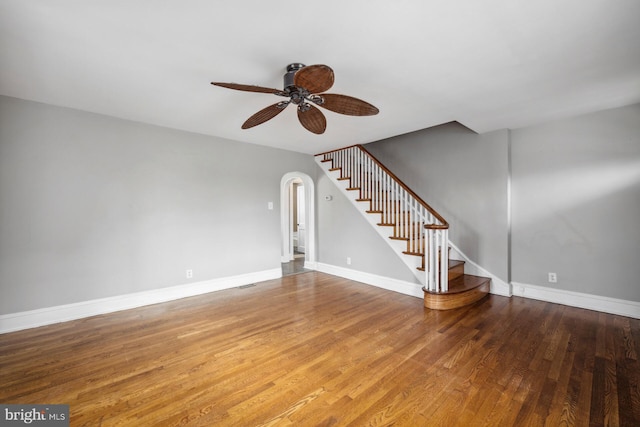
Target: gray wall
x=93, y=206
x=576, y=203
x=575, y=197
x=463, y=176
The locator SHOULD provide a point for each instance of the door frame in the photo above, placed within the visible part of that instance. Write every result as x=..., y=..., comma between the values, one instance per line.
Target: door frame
x=286, y=207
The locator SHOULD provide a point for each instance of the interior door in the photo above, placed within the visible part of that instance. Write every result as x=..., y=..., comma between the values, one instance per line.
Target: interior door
x=301, y=219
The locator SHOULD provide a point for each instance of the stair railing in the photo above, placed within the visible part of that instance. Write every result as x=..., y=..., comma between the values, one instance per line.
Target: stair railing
x=413, y=220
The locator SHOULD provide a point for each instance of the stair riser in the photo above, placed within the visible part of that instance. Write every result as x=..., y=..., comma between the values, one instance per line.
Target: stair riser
x=455, y=272
x=457, y=300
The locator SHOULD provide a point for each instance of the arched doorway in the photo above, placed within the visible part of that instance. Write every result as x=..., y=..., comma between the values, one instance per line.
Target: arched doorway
x=287, y=207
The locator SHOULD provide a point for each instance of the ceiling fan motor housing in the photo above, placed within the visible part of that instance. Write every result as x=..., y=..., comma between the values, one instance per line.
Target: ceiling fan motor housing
x=291, y=71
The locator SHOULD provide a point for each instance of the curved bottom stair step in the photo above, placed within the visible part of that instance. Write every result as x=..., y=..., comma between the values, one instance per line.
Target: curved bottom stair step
x=464, y=290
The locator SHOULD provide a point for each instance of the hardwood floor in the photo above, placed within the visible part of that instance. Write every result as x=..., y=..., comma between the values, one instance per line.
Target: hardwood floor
x=313, y=349
x=296, y=266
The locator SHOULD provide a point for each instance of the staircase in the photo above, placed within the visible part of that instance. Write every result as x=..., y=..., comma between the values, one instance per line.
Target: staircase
x=414, y=230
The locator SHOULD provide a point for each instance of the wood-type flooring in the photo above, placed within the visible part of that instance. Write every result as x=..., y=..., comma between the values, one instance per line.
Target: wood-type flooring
x=317, y=350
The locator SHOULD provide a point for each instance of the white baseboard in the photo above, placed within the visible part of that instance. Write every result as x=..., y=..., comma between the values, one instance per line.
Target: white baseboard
x=310, y=265
x=577, y=299
x=401, y=286
x=63, y=313
x=569, y=298
x=50, y=315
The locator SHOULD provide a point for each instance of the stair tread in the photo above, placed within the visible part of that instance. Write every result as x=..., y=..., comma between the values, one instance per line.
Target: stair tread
x=464, y=283
x=463, y=291
x=413, y=253
x=406, y=239
x=453, y=263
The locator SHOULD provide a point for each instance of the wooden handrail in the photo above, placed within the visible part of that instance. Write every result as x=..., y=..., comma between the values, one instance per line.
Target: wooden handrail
x=443, y=226
x=436, y=226
x=336, y=150
x=432, y=211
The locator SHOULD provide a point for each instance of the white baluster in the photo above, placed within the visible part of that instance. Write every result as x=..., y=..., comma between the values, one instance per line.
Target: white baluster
x=377, y=192
x=444, y=238
x=429, y=258
x=387, y=195
x=407, y=215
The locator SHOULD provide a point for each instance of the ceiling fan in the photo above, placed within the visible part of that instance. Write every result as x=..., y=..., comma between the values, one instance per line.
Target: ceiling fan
x=305, y=86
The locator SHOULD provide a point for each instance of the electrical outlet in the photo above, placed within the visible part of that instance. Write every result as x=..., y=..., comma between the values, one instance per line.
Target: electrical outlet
x=189, y=274
x=348, y=260
x=553, y=278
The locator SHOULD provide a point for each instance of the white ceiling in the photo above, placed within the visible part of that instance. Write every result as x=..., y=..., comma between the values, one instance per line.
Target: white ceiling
x=490, y=64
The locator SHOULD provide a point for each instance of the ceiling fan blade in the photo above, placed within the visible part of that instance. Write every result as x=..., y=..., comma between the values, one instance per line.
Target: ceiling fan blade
x=249, y=88
x=348, y=105
x=314, y=78
x=312, y=119
x=265, y=114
